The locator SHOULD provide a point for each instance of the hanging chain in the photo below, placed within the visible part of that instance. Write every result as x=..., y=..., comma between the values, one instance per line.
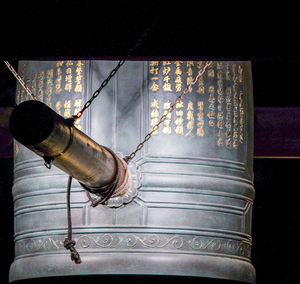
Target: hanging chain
x=104, y=83
x=164, y=117
x=113, y=72
x=29, y=92
x=97, y=92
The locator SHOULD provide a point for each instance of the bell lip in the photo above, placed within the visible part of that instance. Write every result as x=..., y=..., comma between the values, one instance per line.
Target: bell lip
x=137, y=263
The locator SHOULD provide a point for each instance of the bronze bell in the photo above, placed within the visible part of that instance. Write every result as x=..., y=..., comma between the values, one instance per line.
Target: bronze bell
x=187, y=210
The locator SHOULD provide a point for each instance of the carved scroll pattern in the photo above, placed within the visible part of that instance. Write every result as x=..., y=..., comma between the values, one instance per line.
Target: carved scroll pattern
x=157, y=242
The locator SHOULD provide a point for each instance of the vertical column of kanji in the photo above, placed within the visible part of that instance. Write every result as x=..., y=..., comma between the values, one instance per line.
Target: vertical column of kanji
x=58, y=87
x=78, y=89
x=49, y=86
x=190, y=125
x=235, y=107
x=154, y=88
x=167, y=88
x=179, y=118
x=190, y=119
x=228, y=101
x=200, y=118
x=220, y=115
x=200, y=103
x=68, y=87
x=41, y=77
x=179, y=108
x=212, y=99
x=241, y=103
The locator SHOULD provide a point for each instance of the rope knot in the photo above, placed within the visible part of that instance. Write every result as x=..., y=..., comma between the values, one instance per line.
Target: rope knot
x=70, y=245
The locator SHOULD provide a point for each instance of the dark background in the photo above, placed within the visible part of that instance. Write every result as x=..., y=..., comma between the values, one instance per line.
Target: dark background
x=265, y=33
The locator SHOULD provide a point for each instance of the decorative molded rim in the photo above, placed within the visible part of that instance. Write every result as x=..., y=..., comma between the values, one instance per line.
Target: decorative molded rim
x=192, y=244
x=131, y=193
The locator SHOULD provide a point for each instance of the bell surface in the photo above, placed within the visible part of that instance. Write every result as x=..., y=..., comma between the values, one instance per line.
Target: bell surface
x=189, y=209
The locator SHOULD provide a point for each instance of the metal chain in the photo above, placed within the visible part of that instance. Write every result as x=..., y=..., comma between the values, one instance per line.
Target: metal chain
x=113, y=72
x=29, y=92
x=104, y=83
x=97, y=92
x=164, y=117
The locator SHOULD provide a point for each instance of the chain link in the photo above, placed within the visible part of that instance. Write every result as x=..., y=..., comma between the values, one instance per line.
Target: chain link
x=103, y=84
x=29, y=92
x=164, y=117
x=97, y=92
x=113, y=72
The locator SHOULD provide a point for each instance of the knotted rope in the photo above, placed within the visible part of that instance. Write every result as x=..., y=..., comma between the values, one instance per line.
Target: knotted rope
x=69, y=243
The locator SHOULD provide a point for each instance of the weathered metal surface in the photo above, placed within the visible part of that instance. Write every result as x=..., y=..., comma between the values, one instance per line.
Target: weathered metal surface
x=192, y=215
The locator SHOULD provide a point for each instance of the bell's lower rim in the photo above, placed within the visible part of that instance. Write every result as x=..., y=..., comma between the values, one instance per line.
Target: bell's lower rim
x=133, y=263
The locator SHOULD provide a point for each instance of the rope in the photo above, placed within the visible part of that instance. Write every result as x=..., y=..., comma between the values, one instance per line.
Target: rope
x=69, y=244
x=109, y=190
